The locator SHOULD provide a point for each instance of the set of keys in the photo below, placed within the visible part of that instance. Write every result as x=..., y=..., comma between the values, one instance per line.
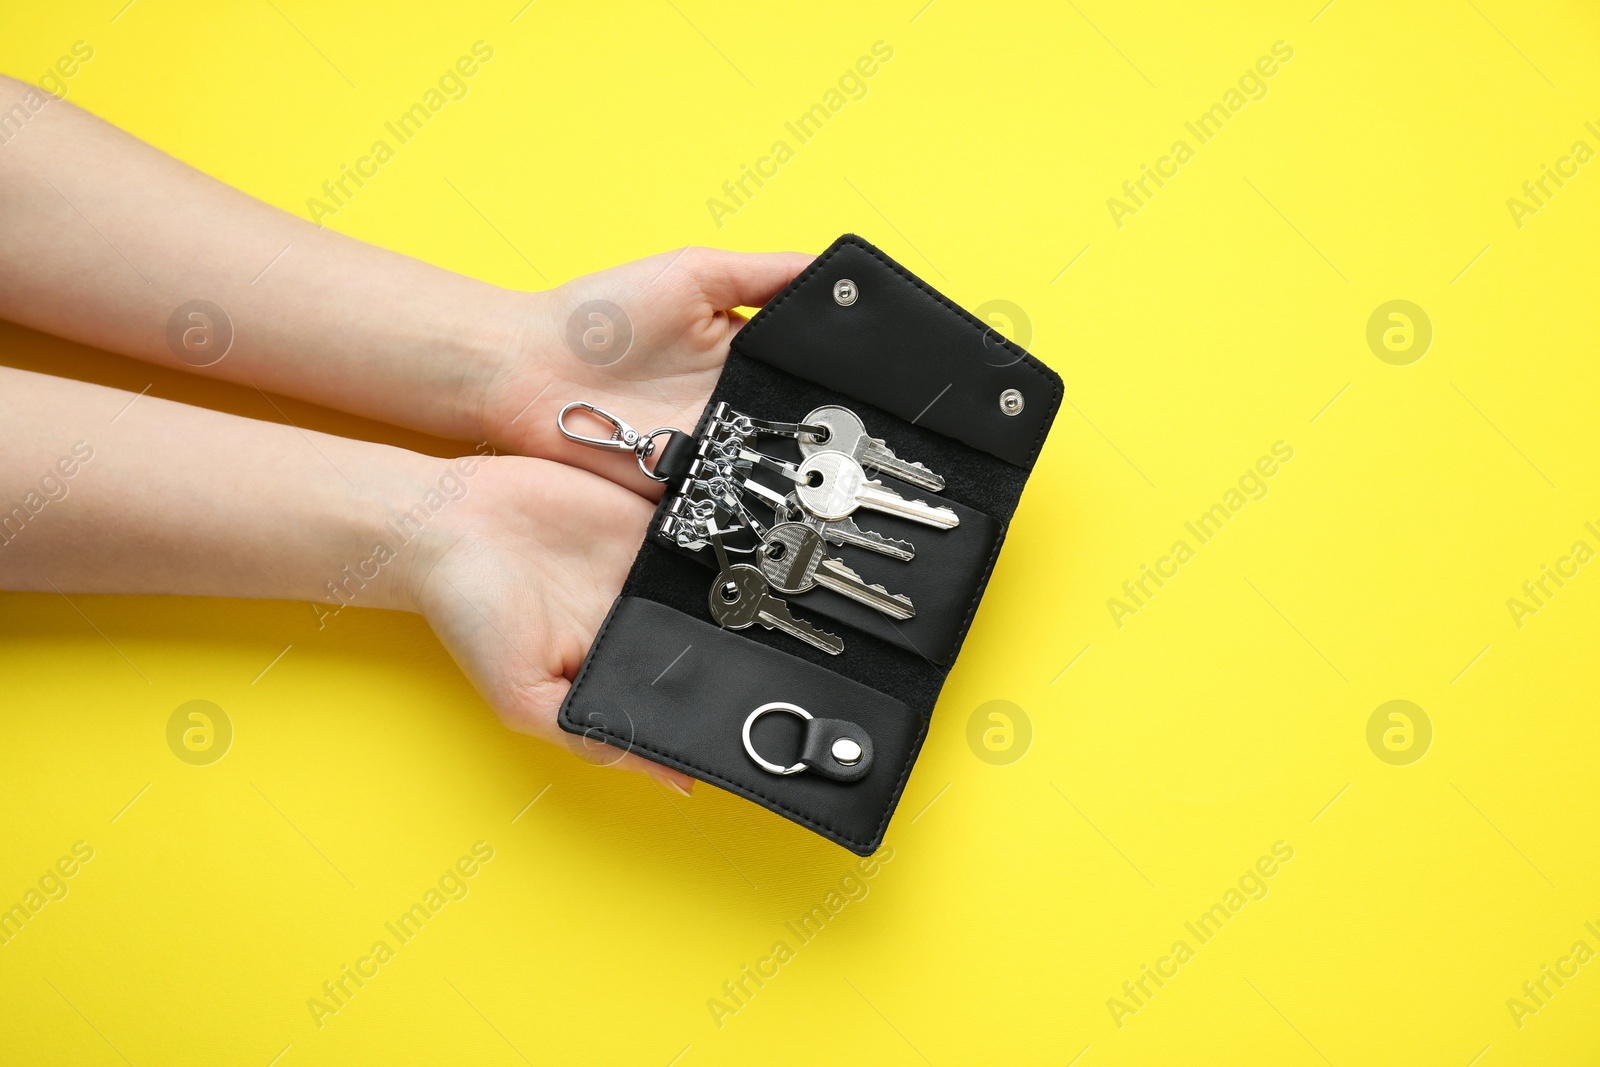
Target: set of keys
x=827, y=489
x=817, y=506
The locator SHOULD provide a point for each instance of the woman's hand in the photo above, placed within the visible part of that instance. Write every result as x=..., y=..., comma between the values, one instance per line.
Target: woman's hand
x=645, y=340
x=302, y=310
x=516, y=581
x=513, y=561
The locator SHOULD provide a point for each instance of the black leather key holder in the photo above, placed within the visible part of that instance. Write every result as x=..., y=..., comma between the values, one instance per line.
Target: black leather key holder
x=824, y=736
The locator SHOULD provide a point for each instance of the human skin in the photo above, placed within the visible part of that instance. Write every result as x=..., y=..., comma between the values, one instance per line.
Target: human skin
x=105, y=236
x=514, y=573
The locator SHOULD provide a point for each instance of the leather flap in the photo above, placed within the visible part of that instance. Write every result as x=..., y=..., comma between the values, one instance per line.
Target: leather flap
x=905, y=347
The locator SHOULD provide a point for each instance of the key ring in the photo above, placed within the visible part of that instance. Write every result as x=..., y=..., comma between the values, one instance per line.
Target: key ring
x=793, y=709
x=624, y=438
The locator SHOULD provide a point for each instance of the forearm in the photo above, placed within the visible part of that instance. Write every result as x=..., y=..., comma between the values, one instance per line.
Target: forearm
x=106, y=237
x=105, y=492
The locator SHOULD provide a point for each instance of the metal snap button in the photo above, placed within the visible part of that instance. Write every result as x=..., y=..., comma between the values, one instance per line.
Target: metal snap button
x=1011, y=402
x=847, y=751
x=845, y=292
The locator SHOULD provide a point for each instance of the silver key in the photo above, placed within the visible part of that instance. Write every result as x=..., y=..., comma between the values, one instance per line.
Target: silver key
x=847, y=434
x=831, y=486
x=845, y=531
x=740, y=598
x=793, y=559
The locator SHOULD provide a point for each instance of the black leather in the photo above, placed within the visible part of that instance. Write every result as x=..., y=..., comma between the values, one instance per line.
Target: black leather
x=816, y=749
x=674, y=457
x=663, y=680
x=677, y=690
x=906, y=348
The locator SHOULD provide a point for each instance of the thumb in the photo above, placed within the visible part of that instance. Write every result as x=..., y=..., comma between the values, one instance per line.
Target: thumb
x=744, y=279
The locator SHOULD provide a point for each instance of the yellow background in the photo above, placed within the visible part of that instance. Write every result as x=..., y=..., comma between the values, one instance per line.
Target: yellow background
x=1229, y=313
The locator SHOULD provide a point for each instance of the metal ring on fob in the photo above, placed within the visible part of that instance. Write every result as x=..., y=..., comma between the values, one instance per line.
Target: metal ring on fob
x=793, y=709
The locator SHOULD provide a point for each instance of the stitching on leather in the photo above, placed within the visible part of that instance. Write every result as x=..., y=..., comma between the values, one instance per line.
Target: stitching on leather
x=765, y=314
x=1035, y=366
x=588, y=660
x=966, y=624
x=834, y=833
x=1057, y=391
x=983, y=584
x=1028, y=360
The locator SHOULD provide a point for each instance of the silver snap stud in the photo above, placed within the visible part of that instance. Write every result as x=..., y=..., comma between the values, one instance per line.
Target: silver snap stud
x=845, y=292
x=847, y=751
x=1011, y=402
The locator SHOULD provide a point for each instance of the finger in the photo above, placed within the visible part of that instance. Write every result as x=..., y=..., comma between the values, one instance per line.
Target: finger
x=676, y=781
x=613, y=466
x=592, y=748
x=533, y=707
x=743, y=279
x=536, y=710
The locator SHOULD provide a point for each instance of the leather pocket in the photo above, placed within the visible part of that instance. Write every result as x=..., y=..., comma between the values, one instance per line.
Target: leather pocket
x=678, y=690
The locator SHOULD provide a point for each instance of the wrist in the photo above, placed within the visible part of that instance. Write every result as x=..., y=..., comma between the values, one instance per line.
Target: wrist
x=511, y=367
x=425, y=518
x=380, y=541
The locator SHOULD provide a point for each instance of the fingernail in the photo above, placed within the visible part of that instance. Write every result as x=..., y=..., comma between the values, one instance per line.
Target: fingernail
x=662, y=776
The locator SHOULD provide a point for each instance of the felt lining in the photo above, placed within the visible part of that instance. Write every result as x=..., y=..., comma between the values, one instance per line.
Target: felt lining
x=669, y=576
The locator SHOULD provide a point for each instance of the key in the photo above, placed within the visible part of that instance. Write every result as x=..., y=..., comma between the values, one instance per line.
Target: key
x=831, y=486
x=793, y=559
x=847, y=434
x=740, y=597
x=845, y=532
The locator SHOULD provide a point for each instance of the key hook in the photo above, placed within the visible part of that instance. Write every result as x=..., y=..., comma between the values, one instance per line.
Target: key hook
x=624, y=438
